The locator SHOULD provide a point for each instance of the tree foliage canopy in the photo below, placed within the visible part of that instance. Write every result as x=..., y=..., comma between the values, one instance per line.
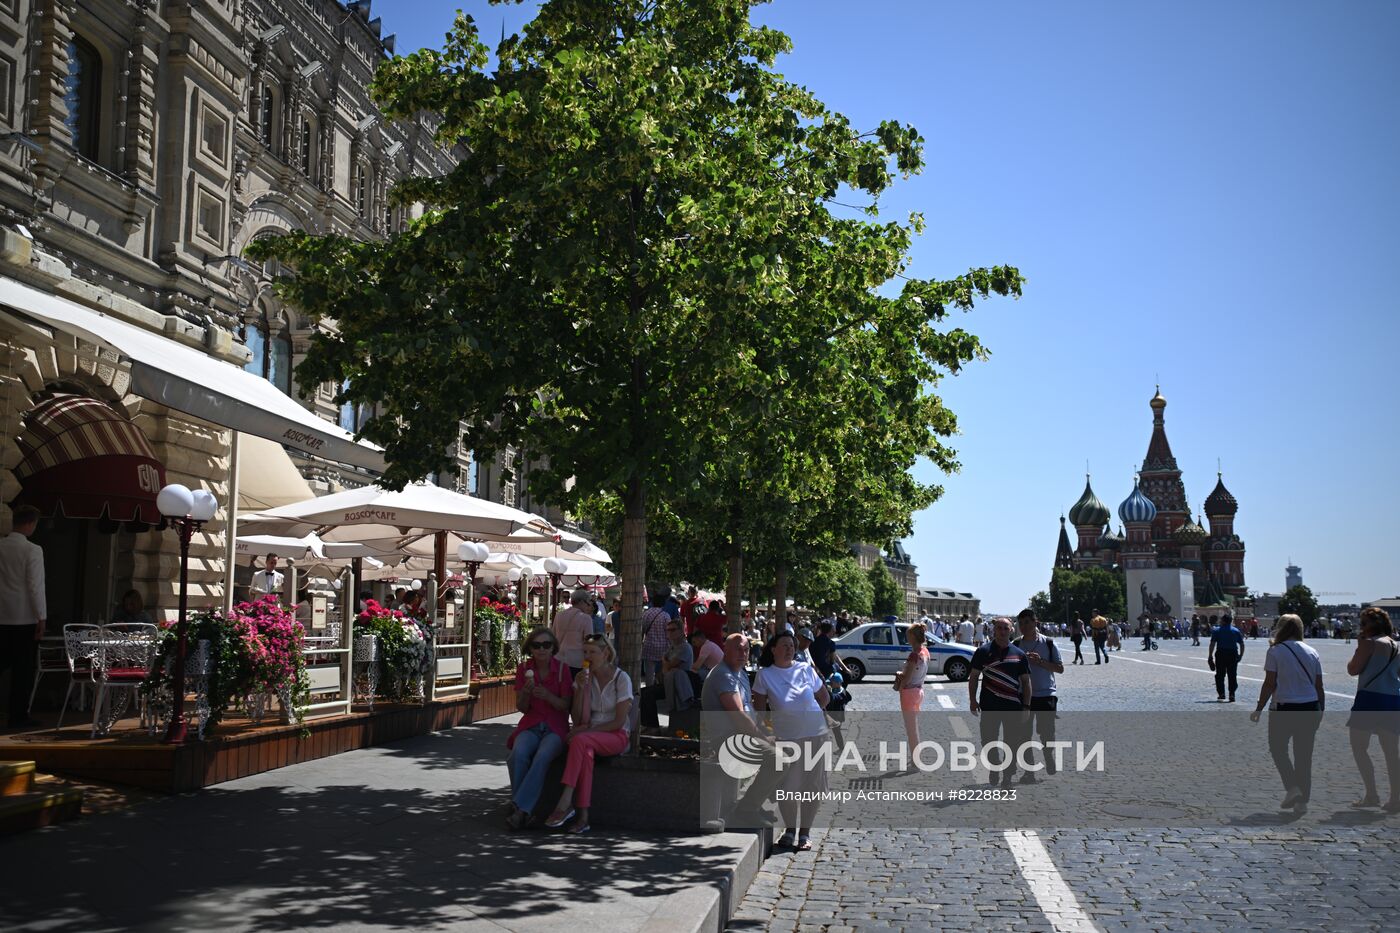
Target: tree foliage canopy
x=887, y=596
x=832, y=584
x=1077, y=593
x=1300, y=601
x=639, y=258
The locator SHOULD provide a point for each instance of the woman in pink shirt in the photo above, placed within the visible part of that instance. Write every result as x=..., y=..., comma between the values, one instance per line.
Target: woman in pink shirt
x=543, y=692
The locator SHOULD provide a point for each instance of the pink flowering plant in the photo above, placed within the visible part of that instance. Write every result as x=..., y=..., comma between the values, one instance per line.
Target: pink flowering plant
x=271, y=640
x=493, y=619
x=255, y=649
x=403, y=648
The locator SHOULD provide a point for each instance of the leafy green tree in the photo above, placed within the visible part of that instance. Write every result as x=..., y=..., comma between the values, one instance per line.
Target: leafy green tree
x=832, y=584
x=888, y=597
x=1076, y=593
x=1300, y=601
x=638, y=191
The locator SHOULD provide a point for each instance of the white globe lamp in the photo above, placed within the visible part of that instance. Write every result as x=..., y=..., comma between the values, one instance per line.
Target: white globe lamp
x=175, y=501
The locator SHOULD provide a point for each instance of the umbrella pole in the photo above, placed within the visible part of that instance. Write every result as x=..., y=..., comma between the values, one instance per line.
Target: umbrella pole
x=231, y=525
x=440, y=570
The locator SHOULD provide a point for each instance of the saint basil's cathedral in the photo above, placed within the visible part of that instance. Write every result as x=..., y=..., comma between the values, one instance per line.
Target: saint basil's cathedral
x=1159, y=529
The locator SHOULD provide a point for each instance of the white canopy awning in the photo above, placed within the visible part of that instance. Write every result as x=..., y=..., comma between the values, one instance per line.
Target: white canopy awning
x=267, y=477
x=181, y=377
x=372, y=514
x=580, y=573
x=303, y=548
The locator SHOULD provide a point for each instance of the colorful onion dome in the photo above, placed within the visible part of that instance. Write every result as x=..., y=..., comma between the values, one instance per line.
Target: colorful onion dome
x=1137, y=508
x=1158, y=401
x=1089, y=510
x=1220, y=502
x=1110, y=541
x=1190, y=533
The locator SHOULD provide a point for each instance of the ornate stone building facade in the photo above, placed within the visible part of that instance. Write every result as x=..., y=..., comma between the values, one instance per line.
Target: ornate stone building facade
x=143, y=145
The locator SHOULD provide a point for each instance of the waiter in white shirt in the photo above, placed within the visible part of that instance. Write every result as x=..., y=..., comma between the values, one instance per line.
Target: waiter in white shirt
x=22, y=610
x=267, y=580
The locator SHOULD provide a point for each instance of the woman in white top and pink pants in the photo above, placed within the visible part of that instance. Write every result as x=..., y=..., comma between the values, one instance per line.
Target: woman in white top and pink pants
x=602, y=702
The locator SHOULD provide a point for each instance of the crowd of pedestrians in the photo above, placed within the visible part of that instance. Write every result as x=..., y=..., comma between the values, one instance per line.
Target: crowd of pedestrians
x=786, y=682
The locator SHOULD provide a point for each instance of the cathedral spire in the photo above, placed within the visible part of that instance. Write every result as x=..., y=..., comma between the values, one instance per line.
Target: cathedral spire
x=1064, y=554
x=1159, y=452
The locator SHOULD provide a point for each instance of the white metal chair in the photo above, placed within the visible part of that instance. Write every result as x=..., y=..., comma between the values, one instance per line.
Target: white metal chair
x=126, y=652
x=365, y=656
x=159, y=710
x=81, y=647
x=51, y=659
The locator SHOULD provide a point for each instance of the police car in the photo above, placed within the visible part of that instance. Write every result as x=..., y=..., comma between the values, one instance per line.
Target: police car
x=883, y=647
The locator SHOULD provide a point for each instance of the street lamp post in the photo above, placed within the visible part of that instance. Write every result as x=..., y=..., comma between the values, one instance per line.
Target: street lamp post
x=187, y=511
x=555, y=568
x=473, y=554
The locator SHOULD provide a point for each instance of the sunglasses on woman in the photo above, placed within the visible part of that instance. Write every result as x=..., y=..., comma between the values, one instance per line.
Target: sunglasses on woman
x=541, y=645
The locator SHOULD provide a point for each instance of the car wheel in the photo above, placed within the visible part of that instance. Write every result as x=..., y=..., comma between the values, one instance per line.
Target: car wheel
x=957, y=669
x=856, y=670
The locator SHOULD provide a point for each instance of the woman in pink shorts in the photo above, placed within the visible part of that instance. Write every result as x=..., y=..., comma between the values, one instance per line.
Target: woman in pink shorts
x=910, y=683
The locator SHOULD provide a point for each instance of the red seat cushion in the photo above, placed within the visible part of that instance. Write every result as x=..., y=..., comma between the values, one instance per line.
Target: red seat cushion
x=127, y=673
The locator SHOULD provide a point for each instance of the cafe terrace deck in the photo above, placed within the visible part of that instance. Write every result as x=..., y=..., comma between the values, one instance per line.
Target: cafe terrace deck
x=237, y=747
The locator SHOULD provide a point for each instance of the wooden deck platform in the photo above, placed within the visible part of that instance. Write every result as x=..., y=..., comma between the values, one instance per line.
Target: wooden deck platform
x=238, y=748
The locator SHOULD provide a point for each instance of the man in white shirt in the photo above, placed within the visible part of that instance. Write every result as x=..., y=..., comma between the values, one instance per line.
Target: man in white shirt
x=965, y=631
x=23, y=610
x=267, y=580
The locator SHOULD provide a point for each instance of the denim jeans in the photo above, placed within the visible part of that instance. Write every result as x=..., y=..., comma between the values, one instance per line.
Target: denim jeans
x=529, y=761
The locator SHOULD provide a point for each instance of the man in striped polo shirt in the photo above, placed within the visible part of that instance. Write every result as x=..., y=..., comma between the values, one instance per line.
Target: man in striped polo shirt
x=1005, y=676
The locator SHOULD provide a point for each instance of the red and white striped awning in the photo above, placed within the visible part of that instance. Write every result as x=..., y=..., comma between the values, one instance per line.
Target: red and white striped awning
x=82, y=458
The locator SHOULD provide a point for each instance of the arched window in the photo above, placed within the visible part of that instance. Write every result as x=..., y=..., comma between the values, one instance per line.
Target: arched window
x=255, y=339
x=347, y=410
x=82, y=97
x=271, y=352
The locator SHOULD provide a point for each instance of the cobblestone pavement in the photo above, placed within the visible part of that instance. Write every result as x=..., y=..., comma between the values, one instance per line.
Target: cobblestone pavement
x=1318, y=874
x=1169, y=880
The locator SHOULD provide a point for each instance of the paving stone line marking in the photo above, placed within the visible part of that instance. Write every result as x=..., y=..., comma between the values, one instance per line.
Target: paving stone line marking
x=945, y=701
x=960, y=727
x=1051, y=893
x=1197, y=670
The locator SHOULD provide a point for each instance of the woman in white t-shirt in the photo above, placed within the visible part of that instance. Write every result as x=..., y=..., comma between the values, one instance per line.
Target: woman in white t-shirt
x=795, y=693
x=1293, y=679
x=602, y=703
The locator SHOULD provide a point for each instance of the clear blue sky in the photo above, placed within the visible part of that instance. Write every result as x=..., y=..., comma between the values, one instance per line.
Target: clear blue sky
x=1205, y=194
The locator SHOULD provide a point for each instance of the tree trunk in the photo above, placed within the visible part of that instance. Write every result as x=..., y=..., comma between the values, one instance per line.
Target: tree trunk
x=634, y=574
x=734, y=592
x=779, y=597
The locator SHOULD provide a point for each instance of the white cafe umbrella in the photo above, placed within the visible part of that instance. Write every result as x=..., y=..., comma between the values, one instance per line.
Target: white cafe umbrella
x=303, y=548
x=580, y=573
x=417, y=508
x=569, y=547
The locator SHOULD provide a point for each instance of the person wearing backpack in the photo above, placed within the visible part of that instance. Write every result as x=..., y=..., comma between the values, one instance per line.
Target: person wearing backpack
x=1293, y=679
x=1045, y=663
